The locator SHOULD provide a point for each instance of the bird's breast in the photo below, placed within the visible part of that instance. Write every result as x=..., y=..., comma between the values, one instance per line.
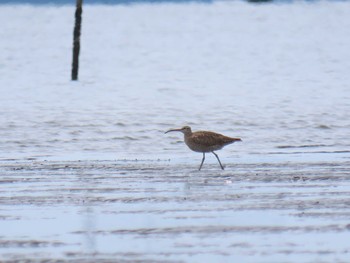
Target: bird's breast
x=201, y=147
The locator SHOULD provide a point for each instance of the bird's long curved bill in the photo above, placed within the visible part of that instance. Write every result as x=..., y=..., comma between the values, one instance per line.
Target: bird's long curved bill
x=172, y=130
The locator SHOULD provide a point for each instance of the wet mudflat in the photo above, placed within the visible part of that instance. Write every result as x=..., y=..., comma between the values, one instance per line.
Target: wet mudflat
x=167, y=211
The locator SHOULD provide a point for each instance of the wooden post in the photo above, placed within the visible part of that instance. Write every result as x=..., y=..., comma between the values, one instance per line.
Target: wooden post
x=76, y=39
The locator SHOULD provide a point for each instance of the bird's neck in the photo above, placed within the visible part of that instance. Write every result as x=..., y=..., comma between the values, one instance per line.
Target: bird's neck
x=187, y=134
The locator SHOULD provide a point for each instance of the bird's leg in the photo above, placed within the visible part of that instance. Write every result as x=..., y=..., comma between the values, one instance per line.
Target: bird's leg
x=202, y=161
x=217, y=157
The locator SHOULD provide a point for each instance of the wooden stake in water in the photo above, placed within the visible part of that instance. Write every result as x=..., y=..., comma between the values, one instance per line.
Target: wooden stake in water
x=205, y=141
x=76, y=39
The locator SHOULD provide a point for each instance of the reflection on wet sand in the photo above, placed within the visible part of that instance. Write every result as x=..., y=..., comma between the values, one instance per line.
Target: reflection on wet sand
x=159, y=211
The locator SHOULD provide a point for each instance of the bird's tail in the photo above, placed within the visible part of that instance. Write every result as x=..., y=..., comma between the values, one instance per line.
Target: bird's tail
x=236, y=139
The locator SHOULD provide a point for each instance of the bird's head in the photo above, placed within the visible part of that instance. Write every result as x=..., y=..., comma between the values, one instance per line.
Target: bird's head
x=185, y=130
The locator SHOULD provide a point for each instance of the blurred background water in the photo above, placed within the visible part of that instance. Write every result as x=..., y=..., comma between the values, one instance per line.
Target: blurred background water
x=274, y=74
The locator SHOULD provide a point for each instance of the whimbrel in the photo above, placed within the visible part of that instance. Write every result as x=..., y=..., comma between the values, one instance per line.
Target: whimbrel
x=205, y=141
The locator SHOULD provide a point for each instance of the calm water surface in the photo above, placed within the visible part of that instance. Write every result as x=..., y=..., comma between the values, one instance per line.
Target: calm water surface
x=88, y=174
x=239, y=69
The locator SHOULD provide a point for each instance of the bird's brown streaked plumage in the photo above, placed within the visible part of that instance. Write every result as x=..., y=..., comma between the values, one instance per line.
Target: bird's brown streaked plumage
x=205, y=141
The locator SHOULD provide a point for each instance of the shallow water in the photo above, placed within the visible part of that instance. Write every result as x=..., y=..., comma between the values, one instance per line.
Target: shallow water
x=235, y=68
x=88, y=174
x=153, y=211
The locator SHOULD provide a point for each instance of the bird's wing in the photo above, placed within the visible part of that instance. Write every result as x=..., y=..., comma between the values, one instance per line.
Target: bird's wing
x=209, y=139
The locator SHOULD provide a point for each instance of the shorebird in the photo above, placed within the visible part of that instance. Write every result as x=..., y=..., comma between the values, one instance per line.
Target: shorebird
x=205, y=141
